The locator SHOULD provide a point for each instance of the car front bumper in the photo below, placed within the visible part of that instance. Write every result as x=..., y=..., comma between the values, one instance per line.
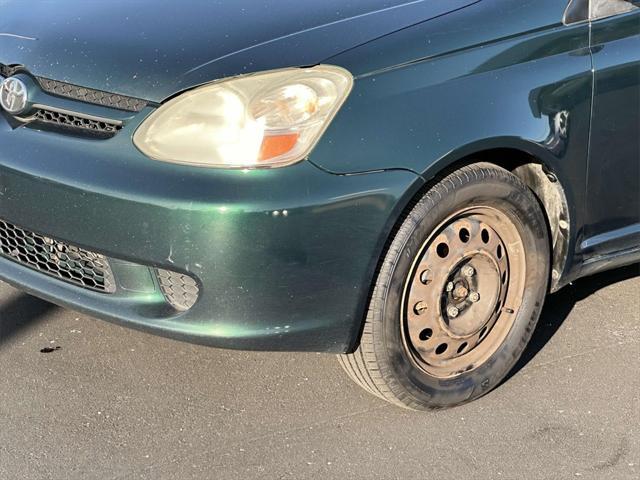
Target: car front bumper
x=283, y=258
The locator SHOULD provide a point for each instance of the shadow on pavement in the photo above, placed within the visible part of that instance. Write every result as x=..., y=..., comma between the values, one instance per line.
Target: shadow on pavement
x=558, y=306
x=21, y=312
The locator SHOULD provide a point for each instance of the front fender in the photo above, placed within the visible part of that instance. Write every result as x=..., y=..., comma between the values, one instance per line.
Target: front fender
x=462, y=83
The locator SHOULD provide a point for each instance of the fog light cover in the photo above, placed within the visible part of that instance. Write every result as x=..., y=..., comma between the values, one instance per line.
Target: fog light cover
x=180, y=291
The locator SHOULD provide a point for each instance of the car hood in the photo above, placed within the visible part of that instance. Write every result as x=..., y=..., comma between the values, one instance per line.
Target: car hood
x=152, y=49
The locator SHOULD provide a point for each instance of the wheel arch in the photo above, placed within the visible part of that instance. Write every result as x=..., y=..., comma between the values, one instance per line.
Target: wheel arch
x=535, y=166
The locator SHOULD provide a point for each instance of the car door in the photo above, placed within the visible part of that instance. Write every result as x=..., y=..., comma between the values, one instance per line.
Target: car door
x=613, y=181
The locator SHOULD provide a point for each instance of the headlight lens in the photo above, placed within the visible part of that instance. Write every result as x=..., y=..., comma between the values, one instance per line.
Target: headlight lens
x=268, y=119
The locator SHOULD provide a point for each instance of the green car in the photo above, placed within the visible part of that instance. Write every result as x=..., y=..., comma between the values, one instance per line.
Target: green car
x=398, y=182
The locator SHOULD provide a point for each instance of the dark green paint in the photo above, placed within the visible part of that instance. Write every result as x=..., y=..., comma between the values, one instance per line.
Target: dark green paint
x=268, y=281
x=155, y=48
x=614, y=174
x=430, y=90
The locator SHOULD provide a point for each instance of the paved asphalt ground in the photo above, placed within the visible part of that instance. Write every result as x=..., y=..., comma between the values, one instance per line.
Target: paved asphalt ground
x=116, y=403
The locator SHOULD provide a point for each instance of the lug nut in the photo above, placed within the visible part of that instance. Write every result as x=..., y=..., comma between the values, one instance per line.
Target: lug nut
x=468, y=271
x=425, y=277
x=449, y=286
x=452, y=312
x=474, y=296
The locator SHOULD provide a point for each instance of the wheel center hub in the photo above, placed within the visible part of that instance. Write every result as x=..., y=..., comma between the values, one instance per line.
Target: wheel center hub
x=460, y=292
x=470, y=304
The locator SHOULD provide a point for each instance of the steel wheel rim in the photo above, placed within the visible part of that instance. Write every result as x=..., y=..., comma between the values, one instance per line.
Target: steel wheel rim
x=463, y=292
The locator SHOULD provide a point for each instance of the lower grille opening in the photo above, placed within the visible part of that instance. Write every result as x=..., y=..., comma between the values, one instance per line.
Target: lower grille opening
x=74, y=123
x=55, y=258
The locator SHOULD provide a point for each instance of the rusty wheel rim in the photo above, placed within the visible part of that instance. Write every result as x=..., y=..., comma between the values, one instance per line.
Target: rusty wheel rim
x=464, y=292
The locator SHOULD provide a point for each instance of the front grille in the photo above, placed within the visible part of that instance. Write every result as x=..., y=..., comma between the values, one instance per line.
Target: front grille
x=89, y=95
x=180, y=290
x=58, y=259
x=7, y=70
x=82, y=94
x=74, y=122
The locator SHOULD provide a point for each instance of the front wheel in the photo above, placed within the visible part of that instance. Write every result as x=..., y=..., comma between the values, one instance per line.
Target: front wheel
x=458, y=294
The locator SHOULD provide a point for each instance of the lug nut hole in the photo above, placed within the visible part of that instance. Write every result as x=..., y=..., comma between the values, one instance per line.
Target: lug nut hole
x=442, y=250
x=425, y=277
x=464, y=235
x=499, y=251
x=482, y=333
x=484, y=235
x=419, y=308
x=441, y=348
x=426, y=334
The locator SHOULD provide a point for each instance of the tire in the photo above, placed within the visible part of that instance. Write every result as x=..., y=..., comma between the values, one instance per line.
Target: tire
x=416, y=350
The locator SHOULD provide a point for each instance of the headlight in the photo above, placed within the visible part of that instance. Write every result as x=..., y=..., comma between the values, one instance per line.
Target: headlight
x=267, y=119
